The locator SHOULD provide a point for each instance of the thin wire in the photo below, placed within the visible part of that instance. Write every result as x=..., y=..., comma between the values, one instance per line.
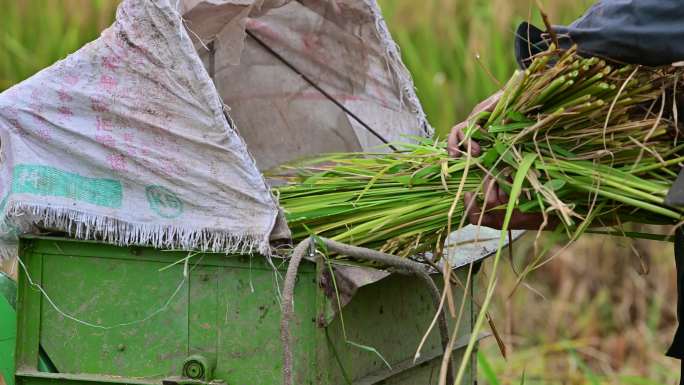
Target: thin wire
x=90, y=324
x=319, y=89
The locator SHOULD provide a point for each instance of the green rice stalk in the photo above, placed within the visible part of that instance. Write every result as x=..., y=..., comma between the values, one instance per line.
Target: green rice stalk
x=582, y=173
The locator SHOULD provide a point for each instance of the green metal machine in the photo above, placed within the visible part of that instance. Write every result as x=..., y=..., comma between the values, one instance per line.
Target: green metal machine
x=8, y=333
x=108, y=314
x=8, y=329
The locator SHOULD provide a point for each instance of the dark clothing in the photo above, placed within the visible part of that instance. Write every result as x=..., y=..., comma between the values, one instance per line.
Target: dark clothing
x=646, y=32
x=677, y=348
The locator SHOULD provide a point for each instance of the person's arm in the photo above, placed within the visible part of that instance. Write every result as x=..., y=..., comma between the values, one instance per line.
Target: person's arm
x=647, y=32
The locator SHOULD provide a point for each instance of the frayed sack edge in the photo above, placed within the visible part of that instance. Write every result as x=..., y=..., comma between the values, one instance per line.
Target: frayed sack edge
x=85, y=226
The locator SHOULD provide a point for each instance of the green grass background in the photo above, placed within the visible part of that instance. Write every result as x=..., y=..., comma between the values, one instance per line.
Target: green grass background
x=590, y=316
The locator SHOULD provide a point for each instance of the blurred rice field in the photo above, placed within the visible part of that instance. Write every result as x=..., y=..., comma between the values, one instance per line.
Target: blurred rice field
x=36, y=33
x=601, y=312
x=441, y=41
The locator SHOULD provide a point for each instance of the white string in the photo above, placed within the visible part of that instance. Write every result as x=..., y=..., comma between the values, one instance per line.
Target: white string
x=104, y=327
x=185, y=24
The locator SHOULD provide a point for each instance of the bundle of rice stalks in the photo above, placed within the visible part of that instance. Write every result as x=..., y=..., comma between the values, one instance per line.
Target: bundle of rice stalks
x=572, y=137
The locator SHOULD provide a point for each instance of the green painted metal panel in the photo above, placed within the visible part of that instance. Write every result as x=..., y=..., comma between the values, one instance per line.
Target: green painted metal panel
x=28, y=310
x=8, y=332
x=8, y=289
x=128, y=334
x=204, y=321
x=395, y=305
x=249, y=342
x=390, y=317
x=8, y=329
x=133, y=329
x=34, y=378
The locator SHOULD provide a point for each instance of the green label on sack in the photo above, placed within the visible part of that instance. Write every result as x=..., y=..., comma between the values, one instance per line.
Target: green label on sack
x=50, y=181
x=164, y=202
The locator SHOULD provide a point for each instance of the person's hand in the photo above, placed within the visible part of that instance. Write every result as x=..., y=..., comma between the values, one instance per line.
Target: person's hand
x=456, y=144
x=495, y=196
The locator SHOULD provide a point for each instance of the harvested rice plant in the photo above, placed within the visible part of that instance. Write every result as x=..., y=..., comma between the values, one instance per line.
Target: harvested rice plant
x=580, y=140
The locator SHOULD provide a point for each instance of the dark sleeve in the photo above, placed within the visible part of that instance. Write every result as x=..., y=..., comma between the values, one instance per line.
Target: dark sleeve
x=647, y=32
x=676, y=349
